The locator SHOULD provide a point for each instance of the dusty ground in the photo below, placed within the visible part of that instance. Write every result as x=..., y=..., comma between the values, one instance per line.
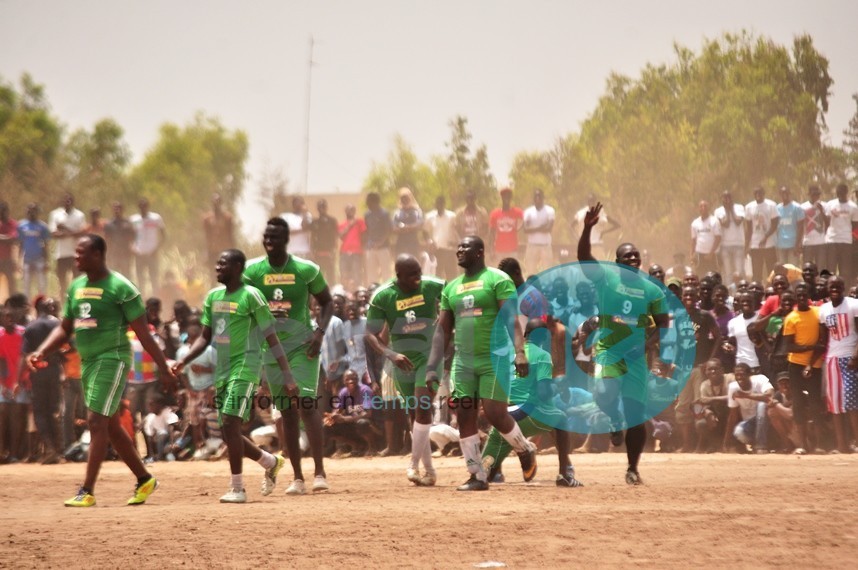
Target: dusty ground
x=702, y=510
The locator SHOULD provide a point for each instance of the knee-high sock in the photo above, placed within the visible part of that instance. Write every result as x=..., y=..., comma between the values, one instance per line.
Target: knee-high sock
x=471, y=452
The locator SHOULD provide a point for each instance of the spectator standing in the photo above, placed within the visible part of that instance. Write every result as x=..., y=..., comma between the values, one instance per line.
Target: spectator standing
x=351, y=232
x=441, y=236
x=739, y=341
x=8, y=239
x=813, y=242
x=74, y=408
x=504, y=224
x=13, y=398
x=407, y=223
x=300, y=221
x=705, y=240
x=731, y=216
x=33, y=236
x=790, y=228
x=761, y=223
x=538, y=225
x=120, y=235
x=218, y=227
x=323, y=239
x=149, y=235
x=606, y=224
x=471, y=219
x=841, y=217
x=96, y=225
x=66, y=224
x=377, y=240
x=198, y=377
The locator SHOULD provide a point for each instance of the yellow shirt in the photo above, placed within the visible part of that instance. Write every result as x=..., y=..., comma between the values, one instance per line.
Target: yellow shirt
x=805, y=326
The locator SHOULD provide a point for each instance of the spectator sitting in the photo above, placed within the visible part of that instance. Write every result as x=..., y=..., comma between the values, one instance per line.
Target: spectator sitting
x=160, y=426
x=747, y=399
x=710, y=410
x=780, y=414
x=350, y=423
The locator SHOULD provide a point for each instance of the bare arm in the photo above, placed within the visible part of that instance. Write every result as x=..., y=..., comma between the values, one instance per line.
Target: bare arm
x=326, y=303
x=440, y=341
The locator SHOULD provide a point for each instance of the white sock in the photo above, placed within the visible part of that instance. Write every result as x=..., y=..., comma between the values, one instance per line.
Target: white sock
x=517, y=440
x=471, y=452
x=237, y=482
x=267, y=460
x=420, y=447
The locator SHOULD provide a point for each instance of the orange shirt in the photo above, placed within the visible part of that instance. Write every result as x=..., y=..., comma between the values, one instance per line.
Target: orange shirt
x=71, y=363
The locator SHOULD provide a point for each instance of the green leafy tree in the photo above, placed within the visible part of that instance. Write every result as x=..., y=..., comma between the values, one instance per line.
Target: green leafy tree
x=97, y=164
x=403, y=169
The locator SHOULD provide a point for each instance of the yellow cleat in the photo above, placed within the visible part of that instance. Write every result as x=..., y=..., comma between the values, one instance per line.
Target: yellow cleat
x=142, y=491
x=82, y=499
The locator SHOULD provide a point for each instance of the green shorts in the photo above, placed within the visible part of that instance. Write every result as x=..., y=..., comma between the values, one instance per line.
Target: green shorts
x=234, y=398
x=632, y=383
x=407, y=384
x=304, y=370
x=103, y=383
x=479, y=377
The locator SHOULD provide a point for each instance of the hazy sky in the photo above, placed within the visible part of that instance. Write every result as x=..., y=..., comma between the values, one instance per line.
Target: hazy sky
x=523, y=73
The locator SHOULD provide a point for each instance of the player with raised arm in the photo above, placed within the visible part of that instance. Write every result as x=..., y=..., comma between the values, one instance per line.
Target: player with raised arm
x=287, y=281
x=406, y=307
x=470, y=304
x=100, y=306
x=631, y=310
x=236, y=318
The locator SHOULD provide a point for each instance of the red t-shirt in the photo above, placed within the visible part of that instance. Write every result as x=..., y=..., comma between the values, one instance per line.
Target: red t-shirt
x=352, y=242
x=770, y=305
x=8, y=228
x=10, y=351
x=505, y=224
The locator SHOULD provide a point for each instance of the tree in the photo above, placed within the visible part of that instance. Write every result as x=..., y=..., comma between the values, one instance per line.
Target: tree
x=468, y=170
x=850, y=143
x=184, y=168
x=403, y=169
x=97, y=163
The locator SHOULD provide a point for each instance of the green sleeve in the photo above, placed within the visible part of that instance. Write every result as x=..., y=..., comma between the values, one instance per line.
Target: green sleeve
x=445, y=299
x=206, y=317
x=133, y=308
x=504, y=289
x=376, y=315
x=259, y=310
x=317, y=284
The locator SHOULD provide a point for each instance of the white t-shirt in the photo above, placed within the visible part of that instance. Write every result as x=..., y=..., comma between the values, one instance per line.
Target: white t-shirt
x=748, y=408
x=840, y=322
x=761, y=217
x=199, y=380
x=73, y=221
x=842, y=215
x=299, y=237
x=738, y=328
x=442, y=228
x=534, y=218
x=813, y=224
x=596, y=232
x=147, y=232
x=705, y=231
x=732, y=234
x=159, y=424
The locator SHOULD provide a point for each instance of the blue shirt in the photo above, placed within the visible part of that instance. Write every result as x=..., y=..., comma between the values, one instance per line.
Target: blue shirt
x=33, y=237
x=790, y=215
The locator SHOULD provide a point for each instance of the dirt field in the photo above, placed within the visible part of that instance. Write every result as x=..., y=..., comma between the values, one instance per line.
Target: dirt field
x=710, y=510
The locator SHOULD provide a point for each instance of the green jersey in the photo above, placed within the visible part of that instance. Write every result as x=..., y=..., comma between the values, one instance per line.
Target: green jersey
x=237, y=320
x=101, y=312
x=524, y=390
x=287, y=289
x=473, y=300
x=409, y=316
x=626, y=309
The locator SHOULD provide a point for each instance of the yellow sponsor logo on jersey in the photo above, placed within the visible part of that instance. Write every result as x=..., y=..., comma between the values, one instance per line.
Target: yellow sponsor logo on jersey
x=85, y=324
x=410, y=302
x=279, y=279
x=89, y=293
x=225, y=307
x=472, y=286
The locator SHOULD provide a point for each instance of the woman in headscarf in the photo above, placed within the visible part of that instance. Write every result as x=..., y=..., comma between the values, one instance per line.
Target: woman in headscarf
x=407, y=223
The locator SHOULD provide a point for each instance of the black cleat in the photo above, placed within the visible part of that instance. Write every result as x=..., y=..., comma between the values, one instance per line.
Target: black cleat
x=528, y=463
x=473, y=484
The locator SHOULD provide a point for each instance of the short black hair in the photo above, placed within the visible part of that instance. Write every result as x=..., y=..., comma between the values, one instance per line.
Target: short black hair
x=509, y=265
x=236, y=255
x=97, y=243
x=279, y=222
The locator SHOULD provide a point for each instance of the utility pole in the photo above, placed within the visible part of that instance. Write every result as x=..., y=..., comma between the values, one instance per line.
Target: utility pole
x=307, y=125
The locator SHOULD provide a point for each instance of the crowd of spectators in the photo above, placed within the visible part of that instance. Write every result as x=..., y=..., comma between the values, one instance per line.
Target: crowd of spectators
x=769, y=289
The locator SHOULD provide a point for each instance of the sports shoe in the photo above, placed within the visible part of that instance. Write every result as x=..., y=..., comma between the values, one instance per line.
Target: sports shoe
x=142, y=491
x=496, y=476
x=234, y=496
x=82, y=499
x=473, y=484
x=617, y=438
x=633, y=478
x=296, y=487
x=567, y=480
x=428, y=480
x=320, y=484
x=528, y=463
x=270, y=479
x=413, y=475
